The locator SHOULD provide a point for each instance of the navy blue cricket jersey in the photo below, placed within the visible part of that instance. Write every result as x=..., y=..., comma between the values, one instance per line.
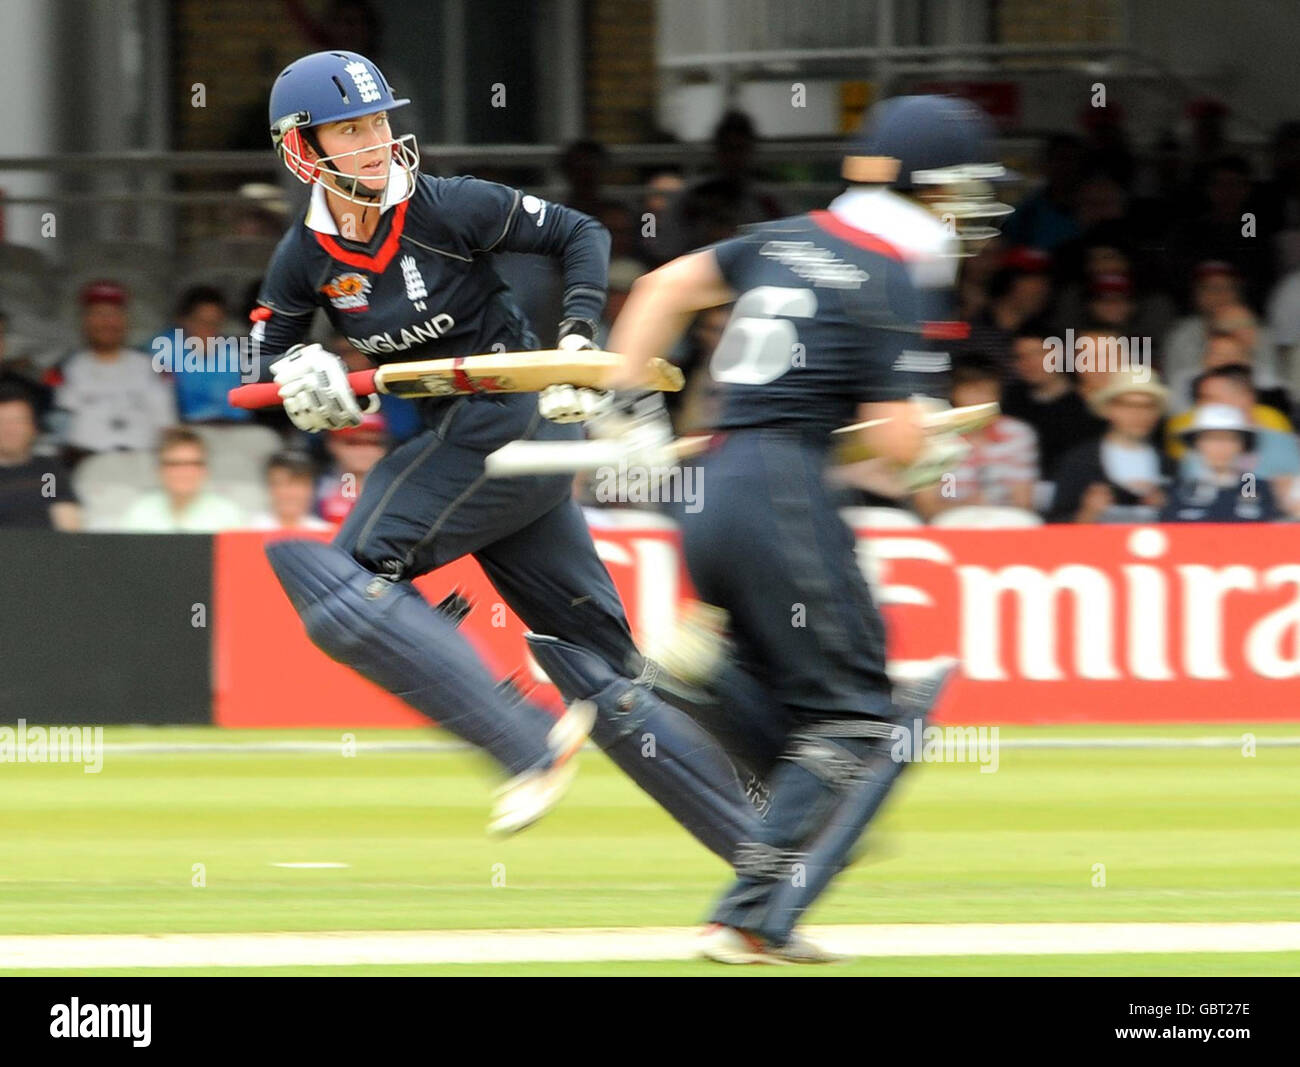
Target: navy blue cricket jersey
x=425, y=287
x=829, y=317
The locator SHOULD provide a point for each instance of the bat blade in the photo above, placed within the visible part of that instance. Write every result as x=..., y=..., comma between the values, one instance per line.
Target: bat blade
x=495, y=372
x=515, y=372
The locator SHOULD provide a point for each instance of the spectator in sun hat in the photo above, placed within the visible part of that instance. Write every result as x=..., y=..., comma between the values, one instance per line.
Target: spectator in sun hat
x=1225, y=487
x=1120, y=475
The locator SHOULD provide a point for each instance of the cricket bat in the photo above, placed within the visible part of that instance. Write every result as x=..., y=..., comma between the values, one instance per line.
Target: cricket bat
x=560, y=457
x=496, y=372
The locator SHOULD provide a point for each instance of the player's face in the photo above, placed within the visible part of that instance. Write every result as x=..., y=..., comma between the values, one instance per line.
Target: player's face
x=360, y=147
x=183, y=469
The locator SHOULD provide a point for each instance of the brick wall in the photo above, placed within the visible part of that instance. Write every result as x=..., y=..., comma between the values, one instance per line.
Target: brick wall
x=620, y=70
x=1058, y=21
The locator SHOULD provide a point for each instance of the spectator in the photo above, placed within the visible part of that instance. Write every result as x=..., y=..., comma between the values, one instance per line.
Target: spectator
x=1001, y=468
x=182, y=505
x=35, y=492
x=354, y=451
x=583, y=165
x=291, y=487
x=187, y=352
x=1216, y=233
x=1045, y=218
x=713, y=208
x=1225, y=487
x=663, y=188
x=1279, y=200
x=1284, y=327
x=1047, y=400
x=1111, y=306
x=1019, y=292
x=1118, y=475
x=1215, y=286
x=16, y=373
x=1231, y=384
x=108, y=396
x=1233, y=339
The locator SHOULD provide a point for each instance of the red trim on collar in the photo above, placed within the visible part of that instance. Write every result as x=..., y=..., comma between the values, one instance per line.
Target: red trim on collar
x=841, y=229
x=377, y=263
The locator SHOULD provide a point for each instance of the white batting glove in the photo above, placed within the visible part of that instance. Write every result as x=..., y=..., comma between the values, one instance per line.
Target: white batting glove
x=640, y=423
x=573, y=403
x=315, y=390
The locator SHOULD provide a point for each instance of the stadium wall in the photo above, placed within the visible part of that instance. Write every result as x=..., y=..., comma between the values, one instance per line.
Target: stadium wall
x=1055, y=624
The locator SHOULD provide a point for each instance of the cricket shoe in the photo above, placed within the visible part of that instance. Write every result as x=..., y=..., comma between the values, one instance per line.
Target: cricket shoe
x=727, y=944
x=528, y=796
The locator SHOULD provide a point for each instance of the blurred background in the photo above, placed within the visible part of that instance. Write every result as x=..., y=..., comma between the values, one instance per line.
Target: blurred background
x=1156, y=149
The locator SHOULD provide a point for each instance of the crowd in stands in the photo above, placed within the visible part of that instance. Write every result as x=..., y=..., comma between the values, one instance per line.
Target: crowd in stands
x=1187, y=261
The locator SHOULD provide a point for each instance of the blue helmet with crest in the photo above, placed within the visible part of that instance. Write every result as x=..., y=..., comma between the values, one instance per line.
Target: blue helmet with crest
x=939, y=150
x=330, y=87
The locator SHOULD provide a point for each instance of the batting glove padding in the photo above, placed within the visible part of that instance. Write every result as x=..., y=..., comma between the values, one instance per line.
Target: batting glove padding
x=315, y=391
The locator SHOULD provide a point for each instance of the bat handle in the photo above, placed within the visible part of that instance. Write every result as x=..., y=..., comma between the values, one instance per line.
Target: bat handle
x=267, y=394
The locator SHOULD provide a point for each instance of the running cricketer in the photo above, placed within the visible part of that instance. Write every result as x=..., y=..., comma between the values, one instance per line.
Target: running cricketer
x=839, y=318
x=400, y=263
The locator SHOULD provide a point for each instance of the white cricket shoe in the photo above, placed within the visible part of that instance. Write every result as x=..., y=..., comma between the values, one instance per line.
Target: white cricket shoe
x=526, y=797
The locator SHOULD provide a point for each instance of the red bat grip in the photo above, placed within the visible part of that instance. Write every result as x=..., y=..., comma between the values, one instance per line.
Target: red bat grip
x=267, y=394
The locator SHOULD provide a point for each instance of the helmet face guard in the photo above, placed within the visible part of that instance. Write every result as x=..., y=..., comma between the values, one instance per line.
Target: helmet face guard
x=965, y=201
x=291, y=145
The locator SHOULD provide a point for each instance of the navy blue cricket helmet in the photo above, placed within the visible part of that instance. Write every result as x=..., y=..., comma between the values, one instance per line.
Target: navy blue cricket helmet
x=330, y=87
x=937, y=148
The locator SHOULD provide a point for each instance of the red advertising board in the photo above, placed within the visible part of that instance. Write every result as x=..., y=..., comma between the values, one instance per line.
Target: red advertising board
x=1054, y=624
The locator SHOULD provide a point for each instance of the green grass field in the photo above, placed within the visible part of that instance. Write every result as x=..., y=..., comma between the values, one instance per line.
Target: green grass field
x=1184, y=835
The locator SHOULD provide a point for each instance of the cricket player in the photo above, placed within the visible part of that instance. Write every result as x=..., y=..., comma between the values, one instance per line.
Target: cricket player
x=839, y=317
x=400, y=263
